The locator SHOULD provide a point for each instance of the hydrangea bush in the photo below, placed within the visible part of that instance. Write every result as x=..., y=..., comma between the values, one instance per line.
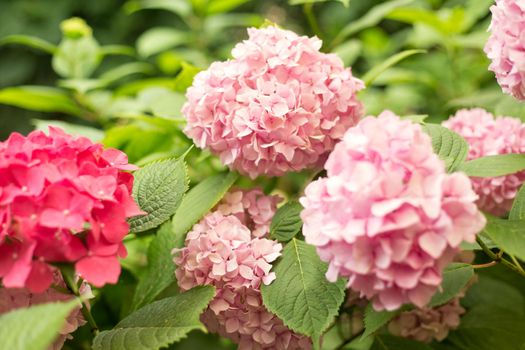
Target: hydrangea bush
x=274, y=212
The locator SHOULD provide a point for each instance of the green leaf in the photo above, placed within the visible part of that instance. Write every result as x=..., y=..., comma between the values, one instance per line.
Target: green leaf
x=162, y=102
x=29, y=41
x=349, y=51
x=301, y=2
x=159, y=324
x=158, y=190
x=508, y=235
x=156, y=40
x=181, y=8
x=125, y=70
x=95, y=135
x=370, y=19
x=33, y=328
x=301, y=296
x=220, y=6
x=375, y=320
x=160, y=272
x=77, y=58
x=39, y=98
x=373, y=73
x=389, y=342
x=455, y=278
x=287, y=222
x=518, y=207
x=117, y=50
x=185, y=78
x=200, y=200
x=448, y=145
x=494, y=166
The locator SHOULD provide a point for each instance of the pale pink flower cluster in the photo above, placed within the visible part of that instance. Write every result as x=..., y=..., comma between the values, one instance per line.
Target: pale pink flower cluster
x=279, y=105
x=506, y=47
x=15, y=298
x=388, y=216
x=488, y=136
x=228, y=249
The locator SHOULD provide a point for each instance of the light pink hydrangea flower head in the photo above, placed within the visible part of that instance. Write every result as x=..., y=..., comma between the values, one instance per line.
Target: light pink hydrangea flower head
x=488, y=136
x=228, y=249
x=279, y=105
x=387, y=216
x=15, y=298
x=62, y=199
x=506, y=47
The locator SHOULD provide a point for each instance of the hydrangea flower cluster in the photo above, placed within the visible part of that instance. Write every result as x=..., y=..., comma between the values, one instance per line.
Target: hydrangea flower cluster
x=62, y=199
x=228, y=249
x=488, y=136
x=15, y=298
x=388, y=216
x=279, y=105
x=505, y=46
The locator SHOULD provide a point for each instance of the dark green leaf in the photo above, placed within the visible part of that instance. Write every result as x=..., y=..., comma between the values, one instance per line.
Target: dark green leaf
x=374, y=320
x=494, y=166
x=448, y=145
x=29, y=41
x=455, y=278
x=518, y=207
x=388, y=342
x=287, y=222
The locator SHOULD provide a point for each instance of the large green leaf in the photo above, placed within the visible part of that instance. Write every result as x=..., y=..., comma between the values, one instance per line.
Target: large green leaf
x=158, y=190
x=518, y=207
x=156, y=40
x=33, y=328
x=39, y=98
x=374, y=320
x=388, y=342
x=29, y=41
x=448, y=145
x=493, y=166
x=455, y=278
x=373, y=73
x=508, y=235
x=159, y=324
x=300, y=295
x=286, y=222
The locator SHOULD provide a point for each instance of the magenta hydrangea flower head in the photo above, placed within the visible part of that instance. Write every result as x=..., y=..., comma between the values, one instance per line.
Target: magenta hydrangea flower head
x=62, y=199
x=388, y=216
x=279, y=105
x=505, y=46
x=488, y=136
x=229, y=249
x=15, y=298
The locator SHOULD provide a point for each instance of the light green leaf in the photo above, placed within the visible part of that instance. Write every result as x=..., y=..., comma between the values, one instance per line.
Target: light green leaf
x=220, y=6
x=494, y=166
x=416, y=118
x=508, y=235
x=181, y=8
x=388, y=342
x=117, y=50
x=370, y=19
x=301, y=296
x=29, y=41
x=33, y=328
x=373, y=73
x=301, y=2
x=159, y=39
x=448, y=145
x=39, y=98
x=185, y=78
x=159, y=324
x=375, y=320
x=77, y=58
x=349, y=51
x=162, y=102
x=455, y=278
x=286, y=222
x=125, y=70
x=95, y=135
x=158, y=190
x=518, y=207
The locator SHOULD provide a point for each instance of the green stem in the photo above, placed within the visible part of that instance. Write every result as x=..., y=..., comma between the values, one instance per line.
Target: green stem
x=69, y=279
x=312, y=21
x=517, y=263
x=498, y=257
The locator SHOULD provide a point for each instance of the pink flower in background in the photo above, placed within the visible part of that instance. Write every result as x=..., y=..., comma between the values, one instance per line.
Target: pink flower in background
x=279, y=105
x=506, y=47
x=12, y=299
x=228, y=249
x=488, y=136
x=387, y=216
x=62, y=199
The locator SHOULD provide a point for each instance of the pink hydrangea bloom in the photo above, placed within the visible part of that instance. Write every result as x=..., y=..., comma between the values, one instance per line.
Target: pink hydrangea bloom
x=15, y=298
x=279, y=105
x=505, y=47
x=61, y=200
x=229, y=250
x=387, y=216
x=487, y=136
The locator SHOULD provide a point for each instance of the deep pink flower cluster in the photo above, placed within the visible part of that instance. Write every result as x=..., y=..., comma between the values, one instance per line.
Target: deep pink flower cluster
x=15, y=298
x=387, y=216
x=506, y=46
x=228, y=249
x=487, y=136
x=62, y=200
x=279, y=105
